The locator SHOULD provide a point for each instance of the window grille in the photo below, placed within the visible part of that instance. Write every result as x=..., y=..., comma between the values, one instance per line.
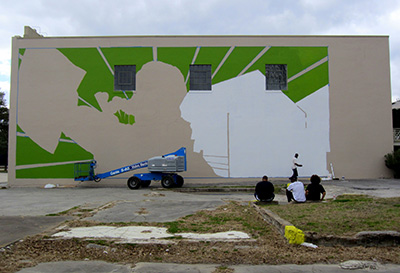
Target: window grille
x=200, y=77
x=124, y=77
x=276, y=77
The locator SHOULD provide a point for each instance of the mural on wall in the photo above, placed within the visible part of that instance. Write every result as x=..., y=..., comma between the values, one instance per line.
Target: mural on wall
x=237, y=129
x=245, y=130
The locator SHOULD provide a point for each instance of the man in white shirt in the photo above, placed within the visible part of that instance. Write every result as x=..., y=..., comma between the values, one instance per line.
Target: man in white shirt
x=295, y=191
x=295, y=165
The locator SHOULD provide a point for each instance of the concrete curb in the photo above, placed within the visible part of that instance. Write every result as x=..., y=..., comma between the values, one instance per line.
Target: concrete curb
x=273, y=219
x=214, y=189
x=364, y=238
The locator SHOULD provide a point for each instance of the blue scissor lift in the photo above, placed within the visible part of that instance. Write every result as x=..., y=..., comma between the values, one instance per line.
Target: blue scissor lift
x=162, y=168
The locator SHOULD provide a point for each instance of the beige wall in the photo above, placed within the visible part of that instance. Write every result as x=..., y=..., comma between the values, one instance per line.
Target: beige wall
x=359, y=98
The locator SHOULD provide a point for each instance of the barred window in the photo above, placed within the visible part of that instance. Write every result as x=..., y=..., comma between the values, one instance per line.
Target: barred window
x=200, y=77
x=124, y=77
x=276, y=77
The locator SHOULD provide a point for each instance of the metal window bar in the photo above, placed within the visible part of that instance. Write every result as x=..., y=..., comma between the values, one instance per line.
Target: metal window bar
x=200, y=77
x=124, y=77
x=276, y=77
x=396, y=134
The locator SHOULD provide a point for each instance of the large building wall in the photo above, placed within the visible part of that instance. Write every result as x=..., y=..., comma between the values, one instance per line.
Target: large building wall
x=336, y=111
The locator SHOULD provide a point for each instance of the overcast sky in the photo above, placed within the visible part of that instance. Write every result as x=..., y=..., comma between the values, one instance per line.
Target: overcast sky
x=181, y=17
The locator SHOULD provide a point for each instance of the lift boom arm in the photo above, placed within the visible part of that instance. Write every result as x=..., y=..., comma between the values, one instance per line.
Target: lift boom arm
x=92, y=165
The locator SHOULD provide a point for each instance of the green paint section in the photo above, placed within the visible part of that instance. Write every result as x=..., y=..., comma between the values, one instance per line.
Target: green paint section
x=128, y=56
x=63, y=136
x=82, y=103
x=125, y=118
x=28, y=152
x=98, y=77
x=59, y=171
x=308, y=83
x=21, y=52
x=180, y=57
x=236, y=62
x=19, y=130
x=294, y=235
x=211, y=55
x=128, y=94
x=296, y=58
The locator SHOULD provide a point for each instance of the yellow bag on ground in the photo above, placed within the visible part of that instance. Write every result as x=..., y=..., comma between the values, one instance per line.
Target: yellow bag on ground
x=294, y=235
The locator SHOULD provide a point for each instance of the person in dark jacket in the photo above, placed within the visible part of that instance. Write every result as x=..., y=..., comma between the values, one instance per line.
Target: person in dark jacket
x=315, y=189
x=264, y=190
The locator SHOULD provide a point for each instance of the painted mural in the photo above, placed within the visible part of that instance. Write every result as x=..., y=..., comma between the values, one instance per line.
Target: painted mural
x=237, y=129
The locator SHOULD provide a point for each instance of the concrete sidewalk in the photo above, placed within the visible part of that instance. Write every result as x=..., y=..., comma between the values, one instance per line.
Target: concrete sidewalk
x=99, y=266
x=106, y=205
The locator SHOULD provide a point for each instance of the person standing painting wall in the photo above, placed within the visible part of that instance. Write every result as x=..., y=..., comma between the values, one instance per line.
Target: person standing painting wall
x=295, y=165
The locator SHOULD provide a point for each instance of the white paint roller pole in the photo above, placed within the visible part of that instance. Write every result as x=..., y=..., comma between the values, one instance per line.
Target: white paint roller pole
x=333, y=173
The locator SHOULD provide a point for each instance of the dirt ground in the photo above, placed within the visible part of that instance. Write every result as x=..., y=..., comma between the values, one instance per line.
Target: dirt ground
x=266, y=247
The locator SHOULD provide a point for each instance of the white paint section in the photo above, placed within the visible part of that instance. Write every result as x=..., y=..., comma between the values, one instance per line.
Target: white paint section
x=265, y=128
x=316, y=137
x=145, y=234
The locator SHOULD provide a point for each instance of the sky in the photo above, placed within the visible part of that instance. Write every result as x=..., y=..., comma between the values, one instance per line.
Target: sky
x=200, y=17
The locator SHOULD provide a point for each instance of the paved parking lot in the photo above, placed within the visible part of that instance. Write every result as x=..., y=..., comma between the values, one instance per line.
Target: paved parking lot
x=24, y=210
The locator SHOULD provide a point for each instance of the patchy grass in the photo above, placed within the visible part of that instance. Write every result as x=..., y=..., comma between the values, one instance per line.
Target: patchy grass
x=75, y=210
x=266, y=247
x=100, y=242
x=65, y=212
x=281, y=188
x=231, y=216
x=346, y=215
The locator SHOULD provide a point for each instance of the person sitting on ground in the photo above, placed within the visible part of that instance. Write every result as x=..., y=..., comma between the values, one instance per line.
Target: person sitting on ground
x=264, y=190
x=315, y=189
x=295, y=191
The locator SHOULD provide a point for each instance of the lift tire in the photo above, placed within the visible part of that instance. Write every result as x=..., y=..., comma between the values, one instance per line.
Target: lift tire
x=145, y=183
x=134, y=183
x=167, y=181
x=179, y=181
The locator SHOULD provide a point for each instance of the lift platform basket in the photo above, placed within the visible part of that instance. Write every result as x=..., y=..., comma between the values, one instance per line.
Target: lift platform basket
x=84, y=170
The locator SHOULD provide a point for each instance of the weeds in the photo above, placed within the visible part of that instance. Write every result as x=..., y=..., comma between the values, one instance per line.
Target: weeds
x=63, y=212
x=346, y=215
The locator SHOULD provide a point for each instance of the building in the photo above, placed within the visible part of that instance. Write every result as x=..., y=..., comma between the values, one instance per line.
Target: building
x=241, y=105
